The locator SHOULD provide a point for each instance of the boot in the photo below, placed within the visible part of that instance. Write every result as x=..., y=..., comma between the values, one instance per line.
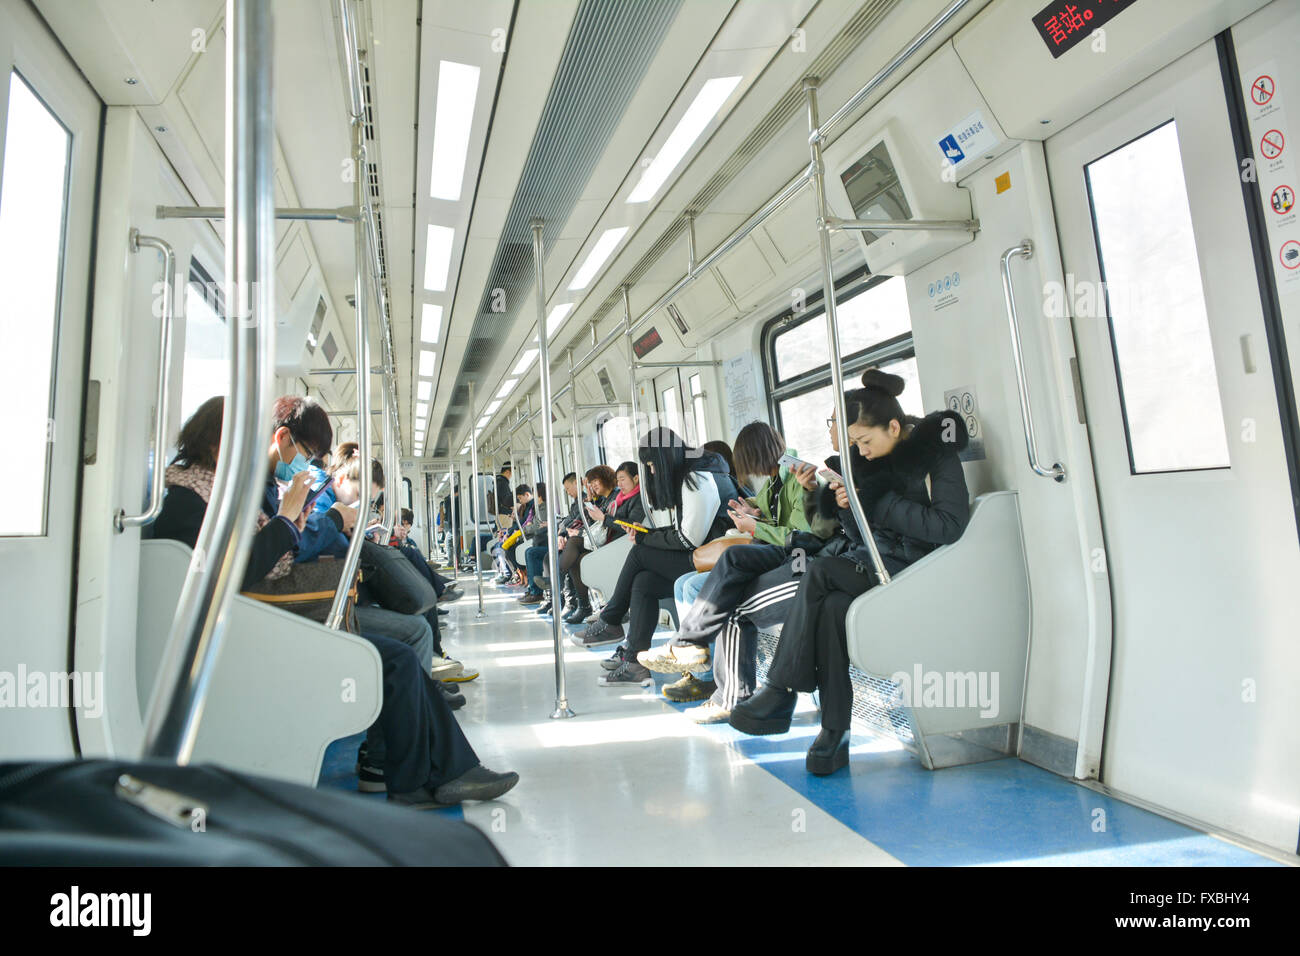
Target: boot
x=828, y=753
x=768, y=712
x=578, y=614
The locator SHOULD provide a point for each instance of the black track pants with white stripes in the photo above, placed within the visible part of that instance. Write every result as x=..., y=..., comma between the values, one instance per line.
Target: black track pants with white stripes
x=747, y=589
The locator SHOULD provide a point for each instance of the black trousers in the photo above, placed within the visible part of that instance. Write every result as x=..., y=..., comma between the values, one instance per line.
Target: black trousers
x=646, y=579
x=416, y=737
x=571, y=564
x=813, y=652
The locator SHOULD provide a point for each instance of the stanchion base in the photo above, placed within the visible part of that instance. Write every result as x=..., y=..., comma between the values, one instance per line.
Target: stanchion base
x=562, y=711
x=481, y=613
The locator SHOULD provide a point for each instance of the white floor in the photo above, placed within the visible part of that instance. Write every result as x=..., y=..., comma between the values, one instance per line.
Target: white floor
x=629, y=779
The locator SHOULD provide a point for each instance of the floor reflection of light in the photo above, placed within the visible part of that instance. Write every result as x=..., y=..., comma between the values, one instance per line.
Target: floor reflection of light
x=617, y=730
x=517, y=646
x=527, y=660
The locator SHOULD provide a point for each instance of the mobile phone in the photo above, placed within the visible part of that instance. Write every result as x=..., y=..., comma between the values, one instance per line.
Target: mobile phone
x=631, y=526
x=793, y=463
x=830, y=475
x=316, y=492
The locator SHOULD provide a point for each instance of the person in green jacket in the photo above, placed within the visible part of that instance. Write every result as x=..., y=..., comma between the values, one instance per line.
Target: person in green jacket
x=747, y=585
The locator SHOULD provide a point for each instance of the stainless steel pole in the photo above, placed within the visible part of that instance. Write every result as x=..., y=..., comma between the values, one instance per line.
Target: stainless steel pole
x=548, y=440
x=577, y=464
x=480, y=505
x=833, y=335
x=221, y=553
x=636, y=415
x=362, y=355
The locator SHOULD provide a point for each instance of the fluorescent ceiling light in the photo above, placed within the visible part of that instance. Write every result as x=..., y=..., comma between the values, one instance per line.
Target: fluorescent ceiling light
x=492, y=409
x=437, y=257
x=423, y=390
x=697, y=117
x=426, y=361
x=422, y=410
x=506, y=386
x=421, y=423
x=525, y=361
x=602, y=250
x=457, y=91
x=430, y=321
x=557, y=317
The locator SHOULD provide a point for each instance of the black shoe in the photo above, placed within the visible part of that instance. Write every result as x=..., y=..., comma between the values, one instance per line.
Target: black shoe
x=767, y=712
x=443, y=612
x=829, y=752
x=370, y=779
x=615, y=660
x=478, y=784
x=578, y=614
x=544, y=609
x=454, y=698
x=422, y=799
x=531, y=599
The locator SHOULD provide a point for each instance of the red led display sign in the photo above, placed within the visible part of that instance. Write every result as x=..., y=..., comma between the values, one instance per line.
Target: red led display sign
x=1064, y=26
x=647, y=343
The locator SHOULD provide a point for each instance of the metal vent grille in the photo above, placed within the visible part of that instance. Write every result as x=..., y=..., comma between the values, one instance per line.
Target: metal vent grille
x=826, y=62
x=609, y=48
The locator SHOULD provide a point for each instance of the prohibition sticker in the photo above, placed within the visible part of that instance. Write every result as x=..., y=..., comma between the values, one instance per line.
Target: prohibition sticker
x=1272, y=144
x=1290, y=254
x=1261, y=91
x=1282, y=200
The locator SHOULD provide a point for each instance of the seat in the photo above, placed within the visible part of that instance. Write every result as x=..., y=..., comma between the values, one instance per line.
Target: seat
x=949, y=630
x=283, y=688
x=600, y=570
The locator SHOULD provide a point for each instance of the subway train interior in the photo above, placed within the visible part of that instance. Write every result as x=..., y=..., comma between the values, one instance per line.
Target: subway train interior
x=1036, y=264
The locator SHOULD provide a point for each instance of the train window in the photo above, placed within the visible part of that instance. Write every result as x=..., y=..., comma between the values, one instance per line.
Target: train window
x=875, y=330
x=32, y=209
x=617, y=439
x=207, y=367
x=1160, y=333
x=672, y=417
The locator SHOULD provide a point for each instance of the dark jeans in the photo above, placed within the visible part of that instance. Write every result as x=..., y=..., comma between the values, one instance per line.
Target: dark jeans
x=646, y=579
x=416, y=738
x=813, y=652
x=750, y=587
x=535, y=559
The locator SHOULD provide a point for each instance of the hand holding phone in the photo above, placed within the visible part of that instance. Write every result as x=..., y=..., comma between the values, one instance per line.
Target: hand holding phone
x=792, y=463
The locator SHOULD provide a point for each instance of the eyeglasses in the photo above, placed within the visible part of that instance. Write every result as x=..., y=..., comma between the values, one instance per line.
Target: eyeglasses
x=830, y=423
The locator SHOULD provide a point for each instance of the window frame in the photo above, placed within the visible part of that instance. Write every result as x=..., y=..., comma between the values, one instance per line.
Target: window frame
x=890, y=350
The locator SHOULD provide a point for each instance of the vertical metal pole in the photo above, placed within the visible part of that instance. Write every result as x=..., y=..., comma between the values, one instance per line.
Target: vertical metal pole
x=636, y=415
x=480, y=506
x=690, y=243
x=548, y=441
x=221, y=553
x=577, y=456
x=833, y=333
x=362, y=355
x=453, y=512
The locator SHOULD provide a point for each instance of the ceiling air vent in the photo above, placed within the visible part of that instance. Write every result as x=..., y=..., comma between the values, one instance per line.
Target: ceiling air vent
x=676, y=315
x=329, y=349
x=607, y=386
x=317, y=323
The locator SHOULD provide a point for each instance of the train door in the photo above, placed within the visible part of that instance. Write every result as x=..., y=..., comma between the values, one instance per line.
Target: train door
x=50, y=124
x=1201, y=546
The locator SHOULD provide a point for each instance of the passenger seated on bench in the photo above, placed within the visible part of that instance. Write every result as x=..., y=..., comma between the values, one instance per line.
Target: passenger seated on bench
x=601, y=489
x=913, y=492
x=627, y=505
x=695, y=486
x=536, y=532
x=426, y=760
x=512, y=536
x=750, y=586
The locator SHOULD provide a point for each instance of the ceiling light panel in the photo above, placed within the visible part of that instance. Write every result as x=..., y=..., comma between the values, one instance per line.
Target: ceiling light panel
x=437, y=257
x=602, y=250
x=556, y=318
x=457, y=93
x=430, y=323
x=426, y=361
x=525, y=361
x=424, y=390
x=694, y=121
x=506, y=386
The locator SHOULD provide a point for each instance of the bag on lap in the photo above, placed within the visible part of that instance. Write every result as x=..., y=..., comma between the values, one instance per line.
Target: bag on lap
x=394, y=582
x=706, y=555
x=308, y=590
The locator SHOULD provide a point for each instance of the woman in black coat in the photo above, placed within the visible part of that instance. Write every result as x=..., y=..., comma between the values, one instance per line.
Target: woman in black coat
x=913, y=492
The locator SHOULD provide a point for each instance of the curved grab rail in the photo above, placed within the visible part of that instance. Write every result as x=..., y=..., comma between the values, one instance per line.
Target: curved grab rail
x=122, y=520
x=1024, y=251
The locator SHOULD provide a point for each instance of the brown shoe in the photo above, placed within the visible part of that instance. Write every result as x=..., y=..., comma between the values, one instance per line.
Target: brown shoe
x=531, y=599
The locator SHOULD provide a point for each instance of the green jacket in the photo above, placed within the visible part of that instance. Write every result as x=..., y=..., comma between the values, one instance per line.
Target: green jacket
x=784, y=514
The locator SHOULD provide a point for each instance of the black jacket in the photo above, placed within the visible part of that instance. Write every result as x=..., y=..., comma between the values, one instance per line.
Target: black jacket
x=632, y=511
x=907, y=520
x=505, y=499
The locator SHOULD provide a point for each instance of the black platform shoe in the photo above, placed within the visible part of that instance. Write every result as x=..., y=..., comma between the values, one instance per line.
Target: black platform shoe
x=767, y=712
x=829, y=752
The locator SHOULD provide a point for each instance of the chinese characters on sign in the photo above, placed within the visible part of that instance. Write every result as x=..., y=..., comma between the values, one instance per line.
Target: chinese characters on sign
x=1064, y=25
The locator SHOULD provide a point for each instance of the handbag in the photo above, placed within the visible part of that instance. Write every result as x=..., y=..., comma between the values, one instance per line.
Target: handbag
x=393, y=581
x=706, y=555
x=308, y=591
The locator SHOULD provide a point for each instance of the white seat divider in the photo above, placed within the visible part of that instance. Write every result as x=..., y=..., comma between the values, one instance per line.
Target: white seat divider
x=948, y=638
x=284, y=687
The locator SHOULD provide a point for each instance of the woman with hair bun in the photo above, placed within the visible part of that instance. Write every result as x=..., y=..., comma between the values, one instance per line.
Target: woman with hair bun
x=912, y=489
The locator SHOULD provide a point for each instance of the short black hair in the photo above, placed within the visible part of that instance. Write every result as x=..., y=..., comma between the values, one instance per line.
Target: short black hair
x=522, y=490
x=307, y=422
x=408, y=516
x=571, y=476
x=505, y=466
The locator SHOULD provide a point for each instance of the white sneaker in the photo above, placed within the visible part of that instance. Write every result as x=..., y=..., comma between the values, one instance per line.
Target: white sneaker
x=709, y=713
x=444, y=668
x=466, y=673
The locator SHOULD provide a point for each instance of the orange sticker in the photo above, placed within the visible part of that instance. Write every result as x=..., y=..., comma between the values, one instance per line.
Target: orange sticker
x=1003, y=182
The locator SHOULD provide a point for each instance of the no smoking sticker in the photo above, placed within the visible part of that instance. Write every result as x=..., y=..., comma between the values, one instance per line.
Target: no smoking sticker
x=1271, y=144
x=1261, y=91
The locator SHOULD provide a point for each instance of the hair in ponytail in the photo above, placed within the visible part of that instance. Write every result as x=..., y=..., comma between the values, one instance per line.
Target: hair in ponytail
x=875, y=405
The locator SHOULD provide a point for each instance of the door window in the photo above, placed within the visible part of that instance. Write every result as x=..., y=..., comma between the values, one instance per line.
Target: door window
x=33, y=206
x=1151, y=285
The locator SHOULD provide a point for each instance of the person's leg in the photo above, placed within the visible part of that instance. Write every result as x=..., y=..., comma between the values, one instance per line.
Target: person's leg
x=686, y=589
x=725, y=587
x=411, y=629
x=613, y=612
x=832, y=657
x=534, y=557
x=653, y=583
x=571, y=562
